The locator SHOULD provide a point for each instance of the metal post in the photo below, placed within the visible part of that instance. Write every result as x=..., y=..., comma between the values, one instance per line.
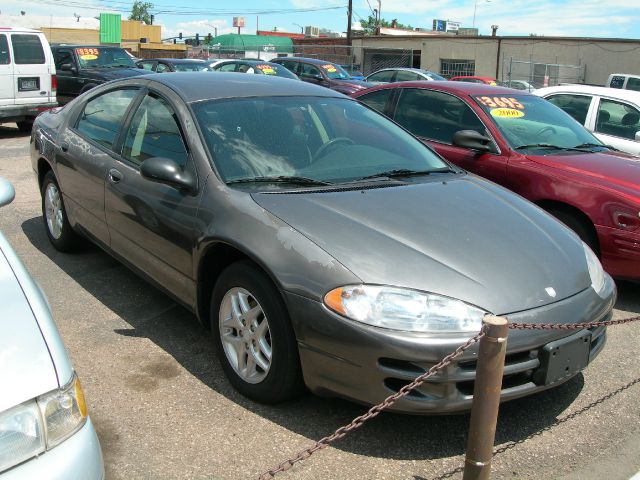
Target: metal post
x=486, y=398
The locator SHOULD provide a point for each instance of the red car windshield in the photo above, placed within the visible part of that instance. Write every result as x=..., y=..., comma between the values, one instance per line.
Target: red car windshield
x=530, y=122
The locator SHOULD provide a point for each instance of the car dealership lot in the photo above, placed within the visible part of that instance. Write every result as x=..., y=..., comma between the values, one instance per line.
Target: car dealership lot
x=163, y=408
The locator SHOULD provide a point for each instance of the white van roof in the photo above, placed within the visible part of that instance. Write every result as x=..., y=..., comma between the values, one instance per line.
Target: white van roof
x=19, y=30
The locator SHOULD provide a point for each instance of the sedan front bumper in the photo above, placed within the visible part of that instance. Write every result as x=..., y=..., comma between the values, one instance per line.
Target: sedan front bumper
x=366, y=364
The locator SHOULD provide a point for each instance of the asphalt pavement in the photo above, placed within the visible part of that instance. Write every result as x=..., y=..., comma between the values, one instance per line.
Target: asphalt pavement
x=163, y=408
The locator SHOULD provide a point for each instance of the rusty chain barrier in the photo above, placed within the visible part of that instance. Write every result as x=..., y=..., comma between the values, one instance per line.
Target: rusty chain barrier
x=390, y=400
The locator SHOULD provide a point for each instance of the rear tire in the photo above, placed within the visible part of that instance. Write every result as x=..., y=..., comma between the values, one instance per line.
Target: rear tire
x=25, y=126
x=585, y=231
x=252, y=332
x=54, y=214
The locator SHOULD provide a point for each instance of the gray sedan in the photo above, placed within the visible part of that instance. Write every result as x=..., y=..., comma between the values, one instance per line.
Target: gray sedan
x=322, y=244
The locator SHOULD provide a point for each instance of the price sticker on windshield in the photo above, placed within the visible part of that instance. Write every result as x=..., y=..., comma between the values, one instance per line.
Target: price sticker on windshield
x=506, y=113
x=88, y=53
x=500, y=102
x=330, y=68
x=266, y=69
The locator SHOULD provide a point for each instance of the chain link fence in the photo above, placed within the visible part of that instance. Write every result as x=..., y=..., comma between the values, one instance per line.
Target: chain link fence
x=539, y=75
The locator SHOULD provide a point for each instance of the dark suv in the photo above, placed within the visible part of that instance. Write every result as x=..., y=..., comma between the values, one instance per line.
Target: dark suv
x=81, y=67
x=321, y=72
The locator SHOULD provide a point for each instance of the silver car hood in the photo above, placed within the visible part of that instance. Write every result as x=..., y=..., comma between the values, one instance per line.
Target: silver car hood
x=465, y=238
x=26, y=367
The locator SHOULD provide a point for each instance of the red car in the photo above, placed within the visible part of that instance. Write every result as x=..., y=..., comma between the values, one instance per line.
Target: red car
x=535, y=149
x=471, y=79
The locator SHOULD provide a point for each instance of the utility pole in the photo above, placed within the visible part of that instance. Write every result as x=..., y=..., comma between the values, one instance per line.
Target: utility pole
x=349, y=14
x=378, y=23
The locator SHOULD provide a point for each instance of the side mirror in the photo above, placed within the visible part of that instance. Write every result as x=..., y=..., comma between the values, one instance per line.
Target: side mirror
x=312, y=76
x=69, y=67
x=473, y=140
x=165, y=170
x=7, y=193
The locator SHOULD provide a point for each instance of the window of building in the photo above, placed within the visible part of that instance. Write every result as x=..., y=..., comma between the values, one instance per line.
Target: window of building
x=103, y=116
x=454, y=67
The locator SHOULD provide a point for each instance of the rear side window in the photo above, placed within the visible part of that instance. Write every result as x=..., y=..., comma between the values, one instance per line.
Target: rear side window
x=102, y=116
x=385, y=76
x=377, y=99
x=633, y=84
x=27, y=49
x=5, y=58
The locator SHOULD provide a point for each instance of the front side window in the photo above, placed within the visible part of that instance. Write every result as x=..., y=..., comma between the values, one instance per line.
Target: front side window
x=27, y=49
x=310, y=70
x=102, y=116
x=435, y=115
x=63, y=56
x=327, y=139
x=190, y=67
x=532, y=124
x=5, y=58
x=161, y=68
x=575, y=105
x=617, y=119
x=155, y=132
x=378, y=99
x=407, y=76
x=147, y=65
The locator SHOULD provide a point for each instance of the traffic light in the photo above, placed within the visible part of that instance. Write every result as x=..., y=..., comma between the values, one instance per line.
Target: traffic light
x=197, y=39
x=180, y=35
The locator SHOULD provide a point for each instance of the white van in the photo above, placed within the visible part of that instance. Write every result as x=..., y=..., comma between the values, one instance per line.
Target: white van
x=624, y=80
x=27, y=76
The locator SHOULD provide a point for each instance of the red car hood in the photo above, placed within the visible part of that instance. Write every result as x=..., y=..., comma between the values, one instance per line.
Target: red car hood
x=612, y=170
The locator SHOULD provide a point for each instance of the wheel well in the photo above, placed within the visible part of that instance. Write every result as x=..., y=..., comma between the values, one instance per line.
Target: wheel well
x=581, y=217
x=217, y=257
x=43, y=168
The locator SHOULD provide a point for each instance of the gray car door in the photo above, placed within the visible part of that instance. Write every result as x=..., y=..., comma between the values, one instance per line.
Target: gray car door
x=83, y=154
x=152, y=224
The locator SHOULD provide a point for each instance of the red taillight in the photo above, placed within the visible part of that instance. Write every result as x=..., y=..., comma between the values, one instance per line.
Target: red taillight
x=54, y=83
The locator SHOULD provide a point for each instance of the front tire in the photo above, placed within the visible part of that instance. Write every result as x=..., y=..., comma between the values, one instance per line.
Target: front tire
x=584, y=230
x=59, y=231
x=255, y=342
x=25, y=126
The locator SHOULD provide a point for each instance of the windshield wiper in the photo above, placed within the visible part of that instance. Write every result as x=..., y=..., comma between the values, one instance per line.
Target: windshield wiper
x=548, y=146
x=596, y=145
x=405, y=172
x=281, y=179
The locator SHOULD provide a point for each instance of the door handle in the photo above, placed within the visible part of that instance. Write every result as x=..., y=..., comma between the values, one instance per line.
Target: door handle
x=114, y=176
x=64, y=146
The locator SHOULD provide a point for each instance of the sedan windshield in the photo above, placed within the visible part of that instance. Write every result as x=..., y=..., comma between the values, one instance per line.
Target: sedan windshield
x=532, y=123
x=104, y=57
x=309, y=139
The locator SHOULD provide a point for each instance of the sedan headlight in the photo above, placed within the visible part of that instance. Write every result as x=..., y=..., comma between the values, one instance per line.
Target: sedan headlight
x=404, y=310
x=33, y=427
x=595, y=269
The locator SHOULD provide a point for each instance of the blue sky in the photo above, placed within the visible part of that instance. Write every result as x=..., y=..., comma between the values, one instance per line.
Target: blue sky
x=583, y=18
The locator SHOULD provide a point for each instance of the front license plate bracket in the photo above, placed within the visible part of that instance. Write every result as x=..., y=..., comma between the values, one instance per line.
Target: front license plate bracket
x=563, y=358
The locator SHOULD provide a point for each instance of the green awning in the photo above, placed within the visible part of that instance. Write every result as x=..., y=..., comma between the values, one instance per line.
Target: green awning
x=251, y=43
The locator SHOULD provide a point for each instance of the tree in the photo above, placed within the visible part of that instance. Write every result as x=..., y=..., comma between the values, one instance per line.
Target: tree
x=140, y=11
x=369, y=25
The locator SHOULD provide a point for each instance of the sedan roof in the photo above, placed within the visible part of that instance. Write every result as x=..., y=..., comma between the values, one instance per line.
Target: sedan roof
x=194, y=86
x=461, y=88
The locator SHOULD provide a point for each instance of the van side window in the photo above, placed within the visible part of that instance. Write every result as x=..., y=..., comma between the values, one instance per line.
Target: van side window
x=27, y=49
x=5, y=58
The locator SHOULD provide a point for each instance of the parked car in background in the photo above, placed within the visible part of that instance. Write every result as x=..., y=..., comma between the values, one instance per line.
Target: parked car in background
x=162, y=65
x=612, y=115
x=624, y=81
x=45, y=430
x=82, y=67
x=27, y=76
x=390, y=75
x=529, y=145
x=320, y=72
x=321, y=242
x=354, y=71
x=472, y=79
x=518, y=85
x=259, y=67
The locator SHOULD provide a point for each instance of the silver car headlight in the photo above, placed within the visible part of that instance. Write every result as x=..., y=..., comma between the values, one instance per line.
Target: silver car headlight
x=33, y=427
x=405, y=310
x=596, y=271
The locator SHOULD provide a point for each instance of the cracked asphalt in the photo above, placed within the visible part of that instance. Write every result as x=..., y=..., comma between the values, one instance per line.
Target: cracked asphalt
x=163, y=408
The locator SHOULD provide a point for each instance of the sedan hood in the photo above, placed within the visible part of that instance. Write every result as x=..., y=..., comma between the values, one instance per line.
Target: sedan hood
x=26, y=368
x=464, y=238
x=607, y=169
